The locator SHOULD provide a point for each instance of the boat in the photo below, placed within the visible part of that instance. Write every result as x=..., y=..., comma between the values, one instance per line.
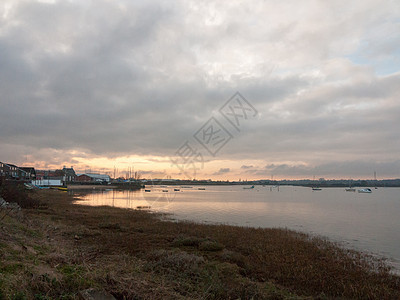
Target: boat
x=201, y=189
x=147, y=191
x=165, y=191
x=248, y=188
x=176, y=190
x=367, y=190
x=60, y=188
x=316, y=189
x=29, y=186
x=350, y=188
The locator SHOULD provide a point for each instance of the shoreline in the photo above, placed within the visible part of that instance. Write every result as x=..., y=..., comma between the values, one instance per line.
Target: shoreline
x=136, y=254
x=90, y=187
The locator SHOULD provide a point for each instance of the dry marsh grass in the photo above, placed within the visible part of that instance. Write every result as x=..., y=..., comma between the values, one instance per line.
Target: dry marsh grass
x=60, y=248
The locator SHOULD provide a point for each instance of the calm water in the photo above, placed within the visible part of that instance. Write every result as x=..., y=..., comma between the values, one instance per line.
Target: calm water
x=368, y=222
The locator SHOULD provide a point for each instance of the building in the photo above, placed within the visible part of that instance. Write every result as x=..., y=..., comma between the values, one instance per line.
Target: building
x=68, y=174
x=83, y=178
x=88, y=177
x=48, y=174
x=13, y=172
x=30, y=172
x=8, y=170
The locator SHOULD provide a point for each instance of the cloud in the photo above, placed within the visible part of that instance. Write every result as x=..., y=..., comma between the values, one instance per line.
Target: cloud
x=246, y=167
x=346, y=169
x=140, y=78
x=222, y=171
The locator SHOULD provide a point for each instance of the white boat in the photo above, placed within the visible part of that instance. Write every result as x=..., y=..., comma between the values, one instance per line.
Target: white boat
x=367, y=190
x=316, y=189
x=29, y=186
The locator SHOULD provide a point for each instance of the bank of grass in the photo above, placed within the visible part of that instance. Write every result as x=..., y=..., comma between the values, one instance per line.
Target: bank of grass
x=58, y=249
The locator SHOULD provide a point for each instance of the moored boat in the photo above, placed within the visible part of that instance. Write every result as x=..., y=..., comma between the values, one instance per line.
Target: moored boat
x=367, y=190
x=248, y=188
x=29, y=186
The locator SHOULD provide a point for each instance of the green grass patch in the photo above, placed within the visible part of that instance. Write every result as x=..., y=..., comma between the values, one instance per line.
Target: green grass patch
x=211, y=246
x=12, y=268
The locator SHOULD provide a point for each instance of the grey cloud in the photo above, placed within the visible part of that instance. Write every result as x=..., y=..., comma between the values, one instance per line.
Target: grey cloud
x=222, y=171
x=347, y=169
x=245, y=167
x=142, y=77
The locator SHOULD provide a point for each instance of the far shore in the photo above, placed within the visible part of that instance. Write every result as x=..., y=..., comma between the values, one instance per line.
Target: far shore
x=90, y=187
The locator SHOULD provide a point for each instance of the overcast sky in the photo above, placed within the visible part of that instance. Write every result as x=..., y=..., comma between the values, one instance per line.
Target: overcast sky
x=98, y=84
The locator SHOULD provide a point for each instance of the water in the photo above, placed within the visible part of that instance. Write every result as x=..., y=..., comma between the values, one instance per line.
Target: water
x=367, y=222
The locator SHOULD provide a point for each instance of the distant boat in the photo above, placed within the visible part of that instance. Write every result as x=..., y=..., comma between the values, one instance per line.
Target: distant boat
x=147, y=191
x=176, y=190
x=201, y=189
x=248, y=188
x=165, y=191
x=143, y=207
x=316, y=189
x=62, y=189
x=350, y=188
x=367, y=190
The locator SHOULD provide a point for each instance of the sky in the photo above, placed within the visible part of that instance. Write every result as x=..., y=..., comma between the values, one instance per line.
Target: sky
x=202, y=89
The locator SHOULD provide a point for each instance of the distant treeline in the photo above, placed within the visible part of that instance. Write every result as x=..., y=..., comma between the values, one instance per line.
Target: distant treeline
x=303, y=182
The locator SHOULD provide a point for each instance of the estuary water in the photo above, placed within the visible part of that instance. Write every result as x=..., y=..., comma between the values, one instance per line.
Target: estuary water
x=366, y=222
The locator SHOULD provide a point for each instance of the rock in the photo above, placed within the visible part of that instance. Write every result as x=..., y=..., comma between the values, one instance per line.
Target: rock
x=3, y=202
x=92, y=294
x=12, y=205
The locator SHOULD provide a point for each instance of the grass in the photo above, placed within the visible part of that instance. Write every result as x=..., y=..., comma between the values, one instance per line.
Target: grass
x=58, y=249
x=15, y=192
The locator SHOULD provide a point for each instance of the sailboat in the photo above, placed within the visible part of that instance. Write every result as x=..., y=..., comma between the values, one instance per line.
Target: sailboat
x=375, y=180
x=350, y=188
